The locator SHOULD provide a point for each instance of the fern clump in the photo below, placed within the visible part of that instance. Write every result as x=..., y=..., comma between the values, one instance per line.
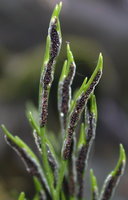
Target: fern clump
x=52, y=173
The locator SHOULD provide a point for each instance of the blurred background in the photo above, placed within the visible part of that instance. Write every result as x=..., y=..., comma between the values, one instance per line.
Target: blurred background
x=91, y=27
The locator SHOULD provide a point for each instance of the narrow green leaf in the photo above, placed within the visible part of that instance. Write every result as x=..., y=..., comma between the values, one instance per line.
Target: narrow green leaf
x=64, y=88
x=79, y=105
x=57, y=10
x=113, y=178
x=33, y=118
x=87, y=135
x=70, y=57
x=33, y=122
x=98, y=68
x=122, y=160
x=20, y=143
x=30, y=107
x=26, y=154
x=55, y=16
x=88, y=87
x=94, y=186
x=53, y=45
x=37, y=184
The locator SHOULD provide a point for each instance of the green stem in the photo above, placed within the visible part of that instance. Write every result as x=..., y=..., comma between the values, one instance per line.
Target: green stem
x=49, y=175
x=60, y=178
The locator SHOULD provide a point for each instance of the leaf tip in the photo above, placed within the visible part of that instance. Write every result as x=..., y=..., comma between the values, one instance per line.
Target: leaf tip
x=100, y=61
x=2, y=126
x=93, y=178
x=60, y=5
x=122, y=153
x=57, y=10
x=4, y=129
x=22, y=196
x=69, y=54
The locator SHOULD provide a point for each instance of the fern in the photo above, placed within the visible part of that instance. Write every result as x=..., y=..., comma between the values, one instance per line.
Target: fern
x=52, y=173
